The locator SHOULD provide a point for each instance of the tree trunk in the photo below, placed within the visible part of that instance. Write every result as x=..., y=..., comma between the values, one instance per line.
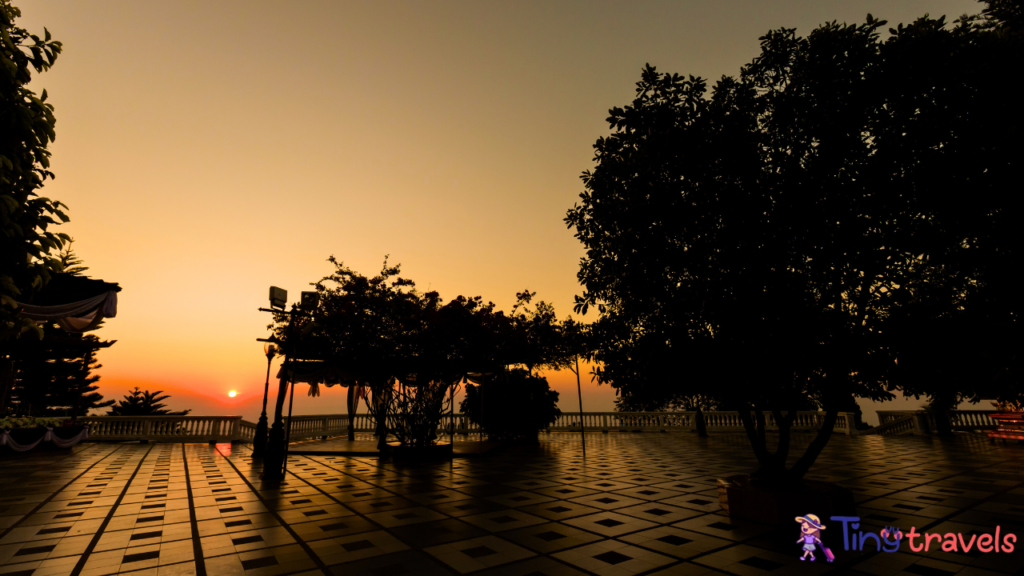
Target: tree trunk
x=353, y=405
x=764, y=458
x=785, y=424
x=702, y=426
x=817, y=445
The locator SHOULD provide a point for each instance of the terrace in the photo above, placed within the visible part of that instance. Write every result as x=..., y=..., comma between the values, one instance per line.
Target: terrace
x=642, y=503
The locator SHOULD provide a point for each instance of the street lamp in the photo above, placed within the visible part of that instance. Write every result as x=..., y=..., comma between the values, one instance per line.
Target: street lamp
x=260, y=441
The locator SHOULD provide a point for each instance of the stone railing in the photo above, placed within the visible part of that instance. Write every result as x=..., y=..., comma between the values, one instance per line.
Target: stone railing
x=667, y=421
x=234, y=429
x=922, y=422
x=169, y=428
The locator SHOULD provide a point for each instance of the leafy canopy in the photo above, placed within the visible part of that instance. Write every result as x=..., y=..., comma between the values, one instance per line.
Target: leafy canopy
x=757, y=242
x=26, y=130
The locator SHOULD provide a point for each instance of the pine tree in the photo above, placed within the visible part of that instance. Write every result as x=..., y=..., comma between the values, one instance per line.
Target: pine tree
x=143, y=403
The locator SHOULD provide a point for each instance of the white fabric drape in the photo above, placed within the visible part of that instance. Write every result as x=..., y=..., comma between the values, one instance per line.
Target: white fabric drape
x=76, y=317
x=49, y=436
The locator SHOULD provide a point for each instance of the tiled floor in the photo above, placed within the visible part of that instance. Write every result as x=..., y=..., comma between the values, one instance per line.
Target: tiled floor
x=638, y=504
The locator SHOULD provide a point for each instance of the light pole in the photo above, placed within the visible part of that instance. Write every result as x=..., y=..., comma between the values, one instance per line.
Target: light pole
x=260, y=441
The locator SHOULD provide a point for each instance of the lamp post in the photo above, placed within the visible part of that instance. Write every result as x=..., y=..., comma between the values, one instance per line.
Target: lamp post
x=260, y=441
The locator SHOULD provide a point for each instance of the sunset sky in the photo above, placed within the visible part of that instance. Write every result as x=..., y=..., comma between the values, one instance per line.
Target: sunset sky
x=209, y=150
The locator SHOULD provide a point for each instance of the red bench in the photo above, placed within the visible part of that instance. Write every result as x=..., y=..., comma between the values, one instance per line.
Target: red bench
x=1011, y=426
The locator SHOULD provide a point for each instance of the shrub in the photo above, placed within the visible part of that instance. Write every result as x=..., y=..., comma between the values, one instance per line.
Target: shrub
x=515, y=405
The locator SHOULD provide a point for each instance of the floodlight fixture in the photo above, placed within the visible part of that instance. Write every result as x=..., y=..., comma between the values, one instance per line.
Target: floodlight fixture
x=278, y=297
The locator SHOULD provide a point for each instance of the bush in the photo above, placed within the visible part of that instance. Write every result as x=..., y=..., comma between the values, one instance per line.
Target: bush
x=515, y=405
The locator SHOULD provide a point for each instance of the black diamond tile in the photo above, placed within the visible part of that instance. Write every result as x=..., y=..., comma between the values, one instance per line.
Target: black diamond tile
x=358, y=545
x=674, y=540
x=519, y=499
x=53, y=530
x=565, y=491
x=909, y=507
x=237, y=523
x=144, y=535
x=140, y=556
x=502, y=519
x=612, y=557
x=558, y=509
x=247, y=540
x=335, y=526
x=312, y=513
x=153, y=519
x=657, y=512
x=609, y=522
x=35, y=550
x=606, y=500
x=259, y=563
x=699, y=502
x=380, y=504
x=478, y=552
x=761, y=563
x=406, y=516
x=721, y=526
x=550, y=536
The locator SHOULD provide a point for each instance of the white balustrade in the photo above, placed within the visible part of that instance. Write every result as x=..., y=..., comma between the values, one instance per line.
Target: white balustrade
x=234, y=429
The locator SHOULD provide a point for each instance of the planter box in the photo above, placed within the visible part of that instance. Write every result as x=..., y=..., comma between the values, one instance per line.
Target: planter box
x=434, y=453
x=780, y=506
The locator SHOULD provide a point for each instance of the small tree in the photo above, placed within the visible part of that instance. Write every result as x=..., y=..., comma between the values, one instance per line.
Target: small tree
x=143, y=403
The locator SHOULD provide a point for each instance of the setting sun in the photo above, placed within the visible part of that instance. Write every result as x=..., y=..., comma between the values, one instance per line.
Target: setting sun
x=232, y=393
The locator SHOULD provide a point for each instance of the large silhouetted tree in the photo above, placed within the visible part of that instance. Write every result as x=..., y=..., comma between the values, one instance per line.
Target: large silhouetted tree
x=754, y=243
x=26, y=131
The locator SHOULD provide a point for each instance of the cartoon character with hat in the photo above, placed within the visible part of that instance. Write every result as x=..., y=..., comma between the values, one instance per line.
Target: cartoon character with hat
x=810, y=535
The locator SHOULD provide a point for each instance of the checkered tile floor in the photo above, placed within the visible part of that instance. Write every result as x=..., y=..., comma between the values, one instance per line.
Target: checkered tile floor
x=638, y=504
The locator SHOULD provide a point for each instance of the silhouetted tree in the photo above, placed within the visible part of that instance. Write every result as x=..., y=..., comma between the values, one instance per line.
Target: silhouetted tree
x=26, y=130
x=55, y=376
x=413, y=350
x=513, y=405
x=755, y=243
x=143, y=403
x=70, y=263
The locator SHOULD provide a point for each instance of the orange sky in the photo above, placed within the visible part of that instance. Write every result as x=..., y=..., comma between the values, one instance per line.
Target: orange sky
x=208, y=150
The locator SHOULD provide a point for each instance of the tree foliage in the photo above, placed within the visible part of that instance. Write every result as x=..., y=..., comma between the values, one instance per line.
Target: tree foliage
x=26, y=130
x=513, y=405
x=413, y=350
x=143, y=403
x=56, y=376
x=765, y=242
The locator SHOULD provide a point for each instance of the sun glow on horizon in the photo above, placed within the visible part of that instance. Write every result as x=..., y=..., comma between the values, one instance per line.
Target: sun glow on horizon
x=232, y=394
